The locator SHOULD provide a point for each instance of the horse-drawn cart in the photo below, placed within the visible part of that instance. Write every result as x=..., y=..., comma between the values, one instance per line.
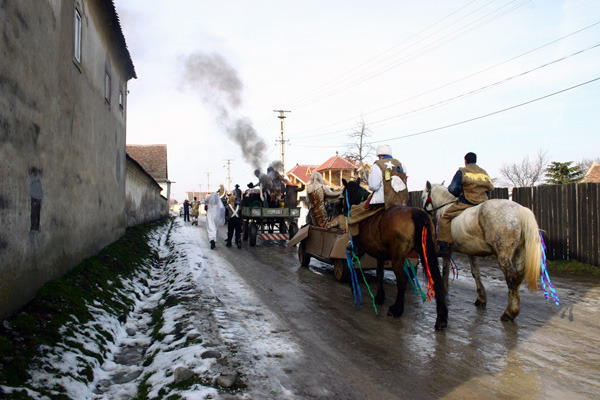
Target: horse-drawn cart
x=269, y=223
x=329, y=246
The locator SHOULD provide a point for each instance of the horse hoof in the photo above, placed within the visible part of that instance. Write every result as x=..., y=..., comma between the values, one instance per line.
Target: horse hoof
x=507, y=318
x=480, y=304
x=393, y=312
x=379, y=300
x=439, y=326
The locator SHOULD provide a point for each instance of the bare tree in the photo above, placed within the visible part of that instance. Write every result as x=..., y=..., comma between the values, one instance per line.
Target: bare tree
x=526, y=173
x=358, y=151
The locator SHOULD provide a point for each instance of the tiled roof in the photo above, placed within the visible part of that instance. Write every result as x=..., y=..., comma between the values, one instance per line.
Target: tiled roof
x=302, y=172
x=153, y=158
x=337, y=162
x=593, y=174
x=116, y=23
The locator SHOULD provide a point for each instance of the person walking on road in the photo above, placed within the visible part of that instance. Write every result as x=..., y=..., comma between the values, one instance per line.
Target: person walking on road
x=215, y=216
x=186, y=211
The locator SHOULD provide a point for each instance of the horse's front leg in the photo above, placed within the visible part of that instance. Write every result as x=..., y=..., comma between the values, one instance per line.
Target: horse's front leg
x=481, y=294
x=380, y=296
x=397, y=309
x=445, y=272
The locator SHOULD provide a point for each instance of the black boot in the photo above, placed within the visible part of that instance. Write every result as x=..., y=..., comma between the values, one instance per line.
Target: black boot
x=212, y=244
x=239, y=245
x=228, y=243
x=444, y=250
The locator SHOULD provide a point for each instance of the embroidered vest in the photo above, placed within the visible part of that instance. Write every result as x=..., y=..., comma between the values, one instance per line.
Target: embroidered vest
x=475, y=183
x=389, y=169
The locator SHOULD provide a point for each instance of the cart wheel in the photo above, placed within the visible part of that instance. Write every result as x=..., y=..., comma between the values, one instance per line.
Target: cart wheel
x=303, y=256
x=341, y=271
x=252, y=234
x=245, y=231
x=292, y=230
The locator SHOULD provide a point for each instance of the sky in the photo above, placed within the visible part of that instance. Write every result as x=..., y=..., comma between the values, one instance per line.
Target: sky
x=433, y=79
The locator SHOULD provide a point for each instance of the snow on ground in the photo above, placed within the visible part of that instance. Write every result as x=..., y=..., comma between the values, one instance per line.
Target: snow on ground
x=192, y=311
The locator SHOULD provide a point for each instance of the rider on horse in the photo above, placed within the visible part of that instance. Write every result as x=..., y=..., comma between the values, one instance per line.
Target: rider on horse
x=387, y=180
x=472, y=186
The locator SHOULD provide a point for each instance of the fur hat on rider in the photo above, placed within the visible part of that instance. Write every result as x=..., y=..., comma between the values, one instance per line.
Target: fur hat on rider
x=384, y=150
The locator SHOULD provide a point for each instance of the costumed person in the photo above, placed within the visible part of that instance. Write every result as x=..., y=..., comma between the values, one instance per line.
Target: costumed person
x=472, y=185
x=186, y=210
x=387, y=180
x=234, y=224
x=237, y=192
x=195, y=211
x=266, y=185
x=318, y=191
x=215, y=216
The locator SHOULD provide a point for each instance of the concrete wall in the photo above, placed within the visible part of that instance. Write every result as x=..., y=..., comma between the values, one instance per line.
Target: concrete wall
x=144, y=202
x=62, y=145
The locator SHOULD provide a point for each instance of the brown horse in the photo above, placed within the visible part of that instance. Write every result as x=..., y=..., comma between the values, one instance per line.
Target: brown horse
x=391, y=235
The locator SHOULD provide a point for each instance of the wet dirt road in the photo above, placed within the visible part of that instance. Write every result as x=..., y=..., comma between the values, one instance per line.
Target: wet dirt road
x=548, y=352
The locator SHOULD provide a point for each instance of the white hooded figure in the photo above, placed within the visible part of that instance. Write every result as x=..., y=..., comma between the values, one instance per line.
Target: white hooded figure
x=215, y=217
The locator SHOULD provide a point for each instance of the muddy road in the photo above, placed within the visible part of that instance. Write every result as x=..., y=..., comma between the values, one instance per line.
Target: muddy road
x=347, y=353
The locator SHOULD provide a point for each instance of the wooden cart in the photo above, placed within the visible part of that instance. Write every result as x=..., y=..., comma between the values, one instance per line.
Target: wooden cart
x=269, y=223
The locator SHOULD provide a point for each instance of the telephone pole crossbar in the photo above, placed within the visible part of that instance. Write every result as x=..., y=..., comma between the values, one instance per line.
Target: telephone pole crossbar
x=282, y=140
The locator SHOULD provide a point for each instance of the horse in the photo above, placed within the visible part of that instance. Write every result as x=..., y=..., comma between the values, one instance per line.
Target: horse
x=391, y=235
x=497, y=227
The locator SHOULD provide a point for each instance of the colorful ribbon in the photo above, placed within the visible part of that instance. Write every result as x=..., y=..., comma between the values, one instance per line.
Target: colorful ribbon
x=430, y=292
x=546, y=278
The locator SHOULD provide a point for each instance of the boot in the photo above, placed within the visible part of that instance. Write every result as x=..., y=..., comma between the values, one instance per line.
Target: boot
x=239, y=245
x=444, y=250
x=228, y=243
x=212, y=244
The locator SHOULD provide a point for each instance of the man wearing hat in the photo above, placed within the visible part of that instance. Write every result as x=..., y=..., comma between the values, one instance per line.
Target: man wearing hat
x=387, y=180
x=472, y=186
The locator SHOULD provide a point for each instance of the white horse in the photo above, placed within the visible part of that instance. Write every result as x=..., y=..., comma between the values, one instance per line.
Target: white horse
x=500, y=227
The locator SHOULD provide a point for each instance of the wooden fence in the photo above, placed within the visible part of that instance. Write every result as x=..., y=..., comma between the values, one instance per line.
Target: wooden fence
x=568, y=215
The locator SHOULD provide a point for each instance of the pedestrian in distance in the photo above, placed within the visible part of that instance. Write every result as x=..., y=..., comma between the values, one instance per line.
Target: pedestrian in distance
x=186, y=211
x=234, y=224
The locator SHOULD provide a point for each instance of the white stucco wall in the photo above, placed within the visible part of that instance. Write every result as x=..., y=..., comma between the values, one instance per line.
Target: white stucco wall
x=144, y=202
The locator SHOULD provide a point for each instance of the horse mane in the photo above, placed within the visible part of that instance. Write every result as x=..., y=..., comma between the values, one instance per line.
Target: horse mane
x=442, y=191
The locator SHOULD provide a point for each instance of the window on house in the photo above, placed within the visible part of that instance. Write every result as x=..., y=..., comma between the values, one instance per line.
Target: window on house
x=121, y=99
x=107, y=87
x=77, y=36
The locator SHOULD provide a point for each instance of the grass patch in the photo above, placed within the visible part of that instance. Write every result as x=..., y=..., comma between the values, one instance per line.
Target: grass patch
x=62, y=303
x=573, y=267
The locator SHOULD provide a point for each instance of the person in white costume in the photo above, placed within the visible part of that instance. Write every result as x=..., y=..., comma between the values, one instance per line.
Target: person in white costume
x=215, y=216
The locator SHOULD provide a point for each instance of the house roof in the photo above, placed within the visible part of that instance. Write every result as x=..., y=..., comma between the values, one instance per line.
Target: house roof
x=153, y=158
x=593, y=173
x=137, y=164
x=302, y=172
x=337, y=162
x=114, y=18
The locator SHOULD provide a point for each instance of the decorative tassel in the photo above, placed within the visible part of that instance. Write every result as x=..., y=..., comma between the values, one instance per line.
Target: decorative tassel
x=546, y=278
x=430, y=292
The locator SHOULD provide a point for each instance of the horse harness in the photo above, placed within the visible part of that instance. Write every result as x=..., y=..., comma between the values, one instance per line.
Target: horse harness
x=432, y=211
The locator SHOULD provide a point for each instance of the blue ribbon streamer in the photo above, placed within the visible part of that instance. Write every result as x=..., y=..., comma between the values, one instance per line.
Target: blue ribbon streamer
x=546, y=278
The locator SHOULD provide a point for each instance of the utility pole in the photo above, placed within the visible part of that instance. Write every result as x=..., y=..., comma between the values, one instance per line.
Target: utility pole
x=229, y=160
x=282, y=140
x=208, y=182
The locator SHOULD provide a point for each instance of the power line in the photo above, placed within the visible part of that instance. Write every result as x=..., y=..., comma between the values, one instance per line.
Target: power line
x=485, y=115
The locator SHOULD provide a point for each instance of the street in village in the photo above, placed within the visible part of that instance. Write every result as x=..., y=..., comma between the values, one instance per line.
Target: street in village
x=297, y=334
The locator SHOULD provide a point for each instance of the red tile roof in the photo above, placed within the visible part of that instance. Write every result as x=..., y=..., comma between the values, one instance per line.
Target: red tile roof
x=337, y=162
x=153, y=158
x=592, y=174
x=302, y=172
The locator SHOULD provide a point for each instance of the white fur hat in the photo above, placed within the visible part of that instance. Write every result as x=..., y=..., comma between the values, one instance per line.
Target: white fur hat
x=384, y=150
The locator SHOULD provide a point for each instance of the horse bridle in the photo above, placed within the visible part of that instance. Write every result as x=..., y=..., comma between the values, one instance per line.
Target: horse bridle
x=433, y=210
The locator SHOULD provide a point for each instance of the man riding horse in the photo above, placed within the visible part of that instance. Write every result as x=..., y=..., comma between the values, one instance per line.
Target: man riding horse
x=472, y=185
x=387, y=180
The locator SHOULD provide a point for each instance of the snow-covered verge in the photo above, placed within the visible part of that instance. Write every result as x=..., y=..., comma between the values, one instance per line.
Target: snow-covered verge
x=178, y=325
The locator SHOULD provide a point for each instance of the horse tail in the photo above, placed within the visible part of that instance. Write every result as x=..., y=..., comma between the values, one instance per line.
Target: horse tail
x=533, y=247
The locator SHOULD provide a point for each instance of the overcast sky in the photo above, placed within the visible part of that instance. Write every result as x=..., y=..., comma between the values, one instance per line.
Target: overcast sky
x=433, y=79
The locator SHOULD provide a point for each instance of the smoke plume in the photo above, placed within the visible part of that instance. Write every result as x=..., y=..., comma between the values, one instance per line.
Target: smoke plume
x=220, y=87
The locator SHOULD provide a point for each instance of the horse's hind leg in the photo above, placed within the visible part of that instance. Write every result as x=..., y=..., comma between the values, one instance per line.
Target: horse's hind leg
x=397, y=309
x=481, y=294
x=513, y=281
x=380, y=296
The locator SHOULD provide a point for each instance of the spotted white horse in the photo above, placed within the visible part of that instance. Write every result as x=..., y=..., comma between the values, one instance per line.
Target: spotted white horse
x=495, y=227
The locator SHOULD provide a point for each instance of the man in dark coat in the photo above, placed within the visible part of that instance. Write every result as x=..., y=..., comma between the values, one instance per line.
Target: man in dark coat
x=186, y=211
x=472, y=185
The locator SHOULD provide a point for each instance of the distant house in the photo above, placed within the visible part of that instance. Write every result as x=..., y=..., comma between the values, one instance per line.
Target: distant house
x=300, y=174
x=63, y=106
x=593, y=174
x=337, y=168
x=153, y=158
